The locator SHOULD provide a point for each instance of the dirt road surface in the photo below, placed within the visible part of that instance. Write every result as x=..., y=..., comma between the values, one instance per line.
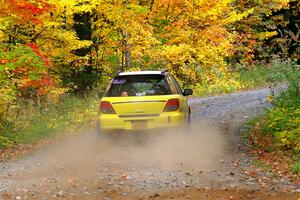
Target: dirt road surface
x=209, y=162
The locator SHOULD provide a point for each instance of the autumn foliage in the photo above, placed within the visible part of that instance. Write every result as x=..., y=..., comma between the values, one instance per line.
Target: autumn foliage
x=83, y=42
x=94, y=39
x=48, y=47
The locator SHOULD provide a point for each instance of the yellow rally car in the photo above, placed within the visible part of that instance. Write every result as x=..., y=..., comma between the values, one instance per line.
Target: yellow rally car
x=143, y=100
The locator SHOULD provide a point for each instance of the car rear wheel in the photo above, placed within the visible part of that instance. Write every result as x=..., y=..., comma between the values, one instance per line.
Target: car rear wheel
x=188, y=123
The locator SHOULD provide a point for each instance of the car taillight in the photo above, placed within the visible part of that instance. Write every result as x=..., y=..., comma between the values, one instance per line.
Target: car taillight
x=172, y=105
x=106, y=107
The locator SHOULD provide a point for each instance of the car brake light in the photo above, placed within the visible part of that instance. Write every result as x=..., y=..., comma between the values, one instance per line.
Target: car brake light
x=106, y=107
x=172, y=105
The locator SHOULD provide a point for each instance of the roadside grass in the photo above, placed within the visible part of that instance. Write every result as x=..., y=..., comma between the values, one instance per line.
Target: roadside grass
x=266, y=167
x=29, y=123
x=275, y=136
x=296, y=168
x=222, y=86
x=261, y=75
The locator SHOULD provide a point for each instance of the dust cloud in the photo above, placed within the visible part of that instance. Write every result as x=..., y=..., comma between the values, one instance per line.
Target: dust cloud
x=90, y=157
x=202, y=147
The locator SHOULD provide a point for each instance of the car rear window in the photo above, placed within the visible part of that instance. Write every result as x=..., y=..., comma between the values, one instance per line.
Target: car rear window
x=138, y=85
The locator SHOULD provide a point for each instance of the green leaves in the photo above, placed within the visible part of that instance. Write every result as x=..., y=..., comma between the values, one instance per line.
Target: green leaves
x=283, y=121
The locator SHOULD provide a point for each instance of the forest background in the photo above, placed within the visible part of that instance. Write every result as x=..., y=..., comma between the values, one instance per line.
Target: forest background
x=56, y=55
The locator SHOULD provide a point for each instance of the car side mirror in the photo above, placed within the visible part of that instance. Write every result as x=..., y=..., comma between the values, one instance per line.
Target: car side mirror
x=187, y=92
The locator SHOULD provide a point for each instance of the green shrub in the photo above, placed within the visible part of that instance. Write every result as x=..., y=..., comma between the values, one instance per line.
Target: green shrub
x=296, y=168
x=263, y=74
x=283, y=120
x=29, y=123
x=221, y=85
x=244, y=78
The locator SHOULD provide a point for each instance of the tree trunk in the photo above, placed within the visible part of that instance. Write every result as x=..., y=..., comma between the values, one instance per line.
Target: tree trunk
x=151, y=5
x=126, y=49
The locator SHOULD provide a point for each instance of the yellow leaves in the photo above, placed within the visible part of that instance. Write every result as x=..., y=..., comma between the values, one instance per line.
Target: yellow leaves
x=72, y=42
x=70, y=7
x=234, y=16
x=215, y=12
x=226, y=83
x=209, y=12
x=266, y=35
x=113, y=13
x=61, y=43
x=133, y=69
x=7, y=95
x=196, y=37
x=186, y=36
x=2, y=35
x=270, y=98
x=214, y=9
x=267, y=7
x=275, y=5
x=169, y=1
x=178, y=57
x=177, y=53
x=55, y=93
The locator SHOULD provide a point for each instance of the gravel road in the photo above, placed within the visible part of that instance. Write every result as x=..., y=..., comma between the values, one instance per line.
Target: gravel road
x=209, y=162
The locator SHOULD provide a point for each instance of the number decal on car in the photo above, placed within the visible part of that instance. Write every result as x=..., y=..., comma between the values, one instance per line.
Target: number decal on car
x=118, y=81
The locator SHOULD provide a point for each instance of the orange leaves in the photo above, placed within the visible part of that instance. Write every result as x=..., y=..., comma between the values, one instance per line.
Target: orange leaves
x=25, y=11
x=269, y=158
x=40, y=85
x=42, y=81
x=3, y=61
x=32, y=9
x=34, y=47
x=170, y=1
x=252, y=174
x=26, y=67
x=36, y=50
x=19, y=71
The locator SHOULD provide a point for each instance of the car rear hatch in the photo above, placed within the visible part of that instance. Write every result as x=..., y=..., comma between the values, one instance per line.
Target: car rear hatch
x=130, y=107
x=140, y=95
x=142, y=112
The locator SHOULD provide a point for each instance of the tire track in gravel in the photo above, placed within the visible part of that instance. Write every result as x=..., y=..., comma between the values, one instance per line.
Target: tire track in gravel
x=207, y=163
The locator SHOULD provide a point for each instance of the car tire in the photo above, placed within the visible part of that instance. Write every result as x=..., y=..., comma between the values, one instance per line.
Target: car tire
x=188, y=124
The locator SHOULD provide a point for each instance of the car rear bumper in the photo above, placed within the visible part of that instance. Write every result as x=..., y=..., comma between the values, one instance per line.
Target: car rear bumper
x=164, y=120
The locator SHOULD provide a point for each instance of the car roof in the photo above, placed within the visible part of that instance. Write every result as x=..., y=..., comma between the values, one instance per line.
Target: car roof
x=141, y=73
